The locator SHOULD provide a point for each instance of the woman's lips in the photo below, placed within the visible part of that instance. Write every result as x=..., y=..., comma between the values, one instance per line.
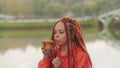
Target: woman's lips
x=57, y=41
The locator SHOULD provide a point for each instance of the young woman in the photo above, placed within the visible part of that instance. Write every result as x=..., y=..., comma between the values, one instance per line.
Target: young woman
x=70, y=50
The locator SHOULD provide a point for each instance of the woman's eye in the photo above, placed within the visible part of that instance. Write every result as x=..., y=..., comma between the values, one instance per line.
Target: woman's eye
x=61, y=32
x=55, y=32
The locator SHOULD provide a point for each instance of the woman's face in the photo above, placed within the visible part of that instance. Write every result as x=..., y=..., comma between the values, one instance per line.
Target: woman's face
x=60, y=34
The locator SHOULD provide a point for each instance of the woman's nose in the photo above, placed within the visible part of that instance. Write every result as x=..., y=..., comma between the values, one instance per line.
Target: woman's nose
x=57, y=35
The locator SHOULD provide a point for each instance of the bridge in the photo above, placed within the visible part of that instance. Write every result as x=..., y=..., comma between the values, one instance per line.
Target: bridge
x=106, y=20
x=109, y=17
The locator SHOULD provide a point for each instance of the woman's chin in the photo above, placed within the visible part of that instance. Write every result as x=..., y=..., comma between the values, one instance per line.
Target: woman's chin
x=58, y=43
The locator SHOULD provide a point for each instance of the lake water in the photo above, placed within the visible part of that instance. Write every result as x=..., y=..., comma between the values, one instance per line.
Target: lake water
x=24, y=51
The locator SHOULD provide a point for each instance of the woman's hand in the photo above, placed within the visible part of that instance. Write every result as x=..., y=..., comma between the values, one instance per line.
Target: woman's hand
x=57, y=62
x=44, y=52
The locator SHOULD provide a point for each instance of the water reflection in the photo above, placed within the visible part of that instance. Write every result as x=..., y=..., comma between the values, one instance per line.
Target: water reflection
x=24, y=52
x=20, y=58
x=111, y=35
x=103, y=55
x=20, y=42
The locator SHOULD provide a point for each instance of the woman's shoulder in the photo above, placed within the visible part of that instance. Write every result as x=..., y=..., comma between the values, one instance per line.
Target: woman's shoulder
x=80, y=52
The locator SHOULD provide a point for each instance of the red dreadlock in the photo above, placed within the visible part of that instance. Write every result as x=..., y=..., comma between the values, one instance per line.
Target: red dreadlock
x=74, y=37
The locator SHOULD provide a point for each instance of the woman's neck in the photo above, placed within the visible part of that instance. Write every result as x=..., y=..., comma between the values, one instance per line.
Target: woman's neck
x=64, y=50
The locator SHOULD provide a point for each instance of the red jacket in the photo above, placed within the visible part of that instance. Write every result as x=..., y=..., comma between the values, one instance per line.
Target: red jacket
x=82, y=60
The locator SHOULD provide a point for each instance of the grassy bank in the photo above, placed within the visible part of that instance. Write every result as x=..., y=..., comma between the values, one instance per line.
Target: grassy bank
x=24, y=24
x=84, y=23
x=37, y=28
x=26, y=33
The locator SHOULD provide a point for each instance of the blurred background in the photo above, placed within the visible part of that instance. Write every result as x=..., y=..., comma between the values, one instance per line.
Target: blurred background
x=25, y=23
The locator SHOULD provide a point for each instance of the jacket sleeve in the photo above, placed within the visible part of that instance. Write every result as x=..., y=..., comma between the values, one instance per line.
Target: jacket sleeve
x=44, y=63
x=83, y=61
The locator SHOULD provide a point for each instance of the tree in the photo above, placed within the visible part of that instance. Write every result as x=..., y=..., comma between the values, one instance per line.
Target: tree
x=2, y=4
x=17, y=7
x=89, y=8
x=39, y=7
x=77, y=9
x=55, y=9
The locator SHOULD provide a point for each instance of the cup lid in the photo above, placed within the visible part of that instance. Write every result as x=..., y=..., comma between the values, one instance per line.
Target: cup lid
x=48, y=41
